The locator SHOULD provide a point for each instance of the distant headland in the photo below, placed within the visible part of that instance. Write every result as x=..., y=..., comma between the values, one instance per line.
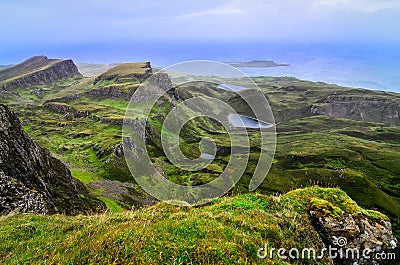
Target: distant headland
x=258, y=63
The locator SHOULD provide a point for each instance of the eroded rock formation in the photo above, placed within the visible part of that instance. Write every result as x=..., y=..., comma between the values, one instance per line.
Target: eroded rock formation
x=37, y=70
x=32, y=180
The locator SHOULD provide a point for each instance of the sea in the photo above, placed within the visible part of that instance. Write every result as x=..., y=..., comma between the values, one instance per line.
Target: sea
x=372, y=66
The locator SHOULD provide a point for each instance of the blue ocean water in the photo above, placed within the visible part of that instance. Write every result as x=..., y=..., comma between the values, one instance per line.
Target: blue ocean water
x=364, y=72
x=372, y=66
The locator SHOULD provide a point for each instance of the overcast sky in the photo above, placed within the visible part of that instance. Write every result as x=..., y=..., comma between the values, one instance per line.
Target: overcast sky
x=54, y=22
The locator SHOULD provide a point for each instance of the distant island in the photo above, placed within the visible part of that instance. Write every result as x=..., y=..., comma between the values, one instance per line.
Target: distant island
x=258, y=63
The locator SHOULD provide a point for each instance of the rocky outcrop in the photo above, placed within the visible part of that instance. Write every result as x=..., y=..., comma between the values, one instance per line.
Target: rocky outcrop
x=31, y=180
x=161, y=80
x=37, y=70
x=370, y=109
x=71, y=112
x=107, y=92
x=353, y=238
x=59, y=107
x=16, y=197
x=126, y=193
x=63, y=108
x=156, y=86
x=139, y=71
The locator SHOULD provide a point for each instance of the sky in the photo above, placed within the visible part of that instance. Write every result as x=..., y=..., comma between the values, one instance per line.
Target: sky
x=86, y=25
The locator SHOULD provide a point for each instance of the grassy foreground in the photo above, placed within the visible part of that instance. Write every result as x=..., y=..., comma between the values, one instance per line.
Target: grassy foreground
x=228, y=231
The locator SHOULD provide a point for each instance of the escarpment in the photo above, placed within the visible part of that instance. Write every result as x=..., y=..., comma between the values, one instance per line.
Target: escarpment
x=140, y=71
x=38, y=70
x=32, y=180
x=360, y=108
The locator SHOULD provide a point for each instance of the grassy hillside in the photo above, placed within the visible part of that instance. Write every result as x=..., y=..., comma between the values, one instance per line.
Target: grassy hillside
x=82, y=127
x=228, y=231
x=127, y=70
x=27, y=67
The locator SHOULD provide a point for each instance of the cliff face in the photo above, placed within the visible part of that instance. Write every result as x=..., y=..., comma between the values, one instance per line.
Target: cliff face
x=359, y=108
x=37, y=70
x=31, y=180
x=140, y=71
x=117, y=91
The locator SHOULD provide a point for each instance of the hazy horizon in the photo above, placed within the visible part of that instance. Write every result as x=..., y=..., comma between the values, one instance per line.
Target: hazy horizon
x=64, y=28
x=362, y=35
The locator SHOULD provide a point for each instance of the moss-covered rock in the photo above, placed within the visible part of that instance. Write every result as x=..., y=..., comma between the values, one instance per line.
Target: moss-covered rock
x=341, y=223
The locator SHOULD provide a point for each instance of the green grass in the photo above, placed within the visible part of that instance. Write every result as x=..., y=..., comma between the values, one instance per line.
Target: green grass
x=112, y=205
x=359, y=157
x=84, y=176
x=76, y=87
x=126, y=70
x=228, y=231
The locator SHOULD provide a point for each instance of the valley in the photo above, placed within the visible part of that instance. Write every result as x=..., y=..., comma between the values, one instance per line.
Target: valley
x=330, y=139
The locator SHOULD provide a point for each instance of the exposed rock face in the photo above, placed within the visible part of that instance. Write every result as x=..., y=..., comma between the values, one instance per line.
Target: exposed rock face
x=65, y=109
x=353, y=232
x=31, y=180
x=15, y=196
x=156, y=86
x=116, y=190
x=107, y=92
x=369, y=109
x=140, y=71
x=37, y=70
x=160, y=80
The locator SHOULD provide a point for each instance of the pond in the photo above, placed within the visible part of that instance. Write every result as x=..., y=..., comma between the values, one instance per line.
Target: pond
x=230, y=87
x=207, y=156
x=246, y=122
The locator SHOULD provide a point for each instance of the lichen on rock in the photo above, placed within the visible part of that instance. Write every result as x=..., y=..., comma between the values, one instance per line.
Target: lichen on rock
x=362, y=231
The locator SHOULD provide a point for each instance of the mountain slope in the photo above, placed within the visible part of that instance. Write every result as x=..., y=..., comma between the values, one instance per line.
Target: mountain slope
x=35, y=71
x=230, y=230
x=140, y=71
x=31, y=180
x=80, y=123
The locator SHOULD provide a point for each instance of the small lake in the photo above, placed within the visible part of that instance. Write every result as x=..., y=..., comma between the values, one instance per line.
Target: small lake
x=207, y=156
x=245, y=122
x=230, y=87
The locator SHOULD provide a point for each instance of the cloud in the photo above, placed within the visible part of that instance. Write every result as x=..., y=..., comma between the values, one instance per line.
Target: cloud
x=367, y=6
x=226, y=10
x=84, y=21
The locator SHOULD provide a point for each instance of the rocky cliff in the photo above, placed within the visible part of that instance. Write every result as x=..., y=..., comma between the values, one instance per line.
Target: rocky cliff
x=37, y=70
x=360, y=108
x=140, y=71
x=117, y=91
x=31, y=180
